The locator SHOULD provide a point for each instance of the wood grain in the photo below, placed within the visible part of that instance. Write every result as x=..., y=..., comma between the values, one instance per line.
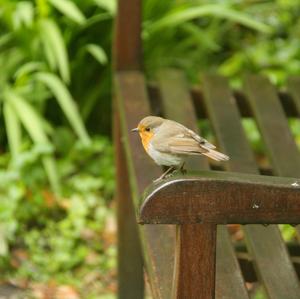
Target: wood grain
x=195, y=249
x=127, y=46
x=157, y=240
x=222, y=198
x=178, y=105
x=130, y=257
x=226, y=121
x=282, y=152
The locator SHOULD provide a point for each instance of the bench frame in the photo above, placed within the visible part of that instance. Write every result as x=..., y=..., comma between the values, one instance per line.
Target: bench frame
x=276, y=200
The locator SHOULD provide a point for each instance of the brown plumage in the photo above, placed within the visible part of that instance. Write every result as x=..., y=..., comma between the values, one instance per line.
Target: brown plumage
x=167, y=142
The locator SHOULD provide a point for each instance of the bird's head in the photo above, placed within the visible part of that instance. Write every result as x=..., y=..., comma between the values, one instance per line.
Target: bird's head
x=147, y=128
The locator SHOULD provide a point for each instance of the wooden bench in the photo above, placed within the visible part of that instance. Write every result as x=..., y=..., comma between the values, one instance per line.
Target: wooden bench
x=182, y=238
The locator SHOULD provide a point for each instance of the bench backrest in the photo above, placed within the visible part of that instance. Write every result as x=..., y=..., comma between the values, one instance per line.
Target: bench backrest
x=174, y=100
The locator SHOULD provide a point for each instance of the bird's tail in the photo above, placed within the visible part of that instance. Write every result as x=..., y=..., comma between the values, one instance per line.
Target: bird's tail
x=215, y=155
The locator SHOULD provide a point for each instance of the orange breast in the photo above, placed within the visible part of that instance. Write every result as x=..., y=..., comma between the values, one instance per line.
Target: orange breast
x=146, y=138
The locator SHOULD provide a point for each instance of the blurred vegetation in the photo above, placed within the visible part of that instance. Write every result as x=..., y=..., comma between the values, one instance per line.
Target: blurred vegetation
x=56, y=164
x=230, y=37
x=56, y=179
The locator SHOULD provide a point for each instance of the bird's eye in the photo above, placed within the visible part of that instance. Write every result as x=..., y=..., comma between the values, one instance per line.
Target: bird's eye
x=147, y=129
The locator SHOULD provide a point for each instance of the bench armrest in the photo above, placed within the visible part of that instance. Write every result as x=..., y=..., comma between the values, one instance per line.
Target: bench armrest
x=221, y=198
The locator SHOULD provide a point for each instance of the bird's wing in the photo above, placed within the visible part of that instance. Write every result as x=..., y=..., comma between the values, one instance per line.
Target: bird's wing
x=189, y=146
x=176, y=138
x=185, y=145
x=198, y=138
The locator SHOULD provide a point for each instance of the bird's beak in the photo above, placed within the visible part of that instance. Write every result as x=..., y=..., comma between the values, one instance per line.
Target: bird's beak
x=135, y=130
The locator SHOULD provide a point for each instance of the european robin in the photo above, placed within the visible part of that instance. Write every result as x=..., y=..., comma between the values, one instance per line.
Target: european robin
x=167, y=142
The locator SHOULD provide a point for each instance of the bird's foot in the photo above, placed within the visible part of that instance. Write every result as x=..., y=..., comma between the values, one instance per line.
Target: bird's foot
x=157, y=180
x=182, y=169
x=165, y=175
x=169, y=175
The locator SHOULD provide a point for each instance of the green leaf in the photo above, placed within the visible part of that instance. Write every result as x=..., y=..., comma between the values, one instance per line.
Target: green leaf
x=97, y=52
x=13, y=129
x=108, y=5
x=23, y=14
x=4, y=240
x=49, y=53
x=54, y=42
x=5, y=38
x=66, y=103
x=28, y=68
x=178, y=17
x=52, y=173
x=10, y=61
x=42, y=8
x=33, y=125
x=29, y=117
x=200, y=36
x=69, y=9
x=96, y=19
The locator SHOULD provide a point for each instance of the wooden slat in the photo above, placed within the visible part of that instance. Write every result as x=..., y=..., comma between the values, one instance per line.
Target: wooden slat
x=229, y=280
x=293, y=88
x=174, y=92
x=196, y=249
x=284, y=157
x=273, y=125
x=226, y=122
x=127, y=48
x=130, y=257
x=177, y=105
x=264, y=243
x=246, y=261
x=133, y=105
x=222, y=197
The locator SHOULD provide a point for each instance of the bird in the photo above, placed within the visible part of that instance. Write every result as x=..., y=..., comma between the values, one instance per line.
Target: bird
x=168, y=142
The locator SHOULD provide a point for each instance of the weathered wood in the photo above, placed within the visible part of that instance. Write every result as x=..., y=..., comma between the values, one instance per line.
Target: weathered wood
x=133, y=105
x=130, y=260
x=283, y=154
x=243, y=105
x=127, y=48
x=195, y=249
x=135, y=168
x=222, y=198
x=226, y=121
x=293, y=88
x=247, y=265
x=285, y=100
x=229, y=280
x=289, y=288
x=177, y=104
x=273, y=126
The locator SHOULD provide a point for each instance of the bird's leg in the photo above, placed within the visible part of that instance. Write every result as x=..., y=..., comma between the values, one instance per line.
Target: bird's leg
x=164, y=174
x=182, y=169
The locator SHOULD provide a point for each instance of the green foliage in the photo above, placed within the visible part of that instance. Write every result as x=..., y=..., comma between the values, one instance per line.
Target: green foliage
x=56, y=180
x=229, y=37
x=58, y=234
x=55, y=86
x=36, y=69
